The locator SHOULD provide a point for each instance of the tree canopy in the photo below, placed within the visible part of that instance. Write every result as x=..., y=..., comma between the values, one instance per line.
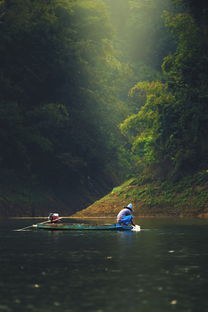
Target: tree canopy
x=170, y=128
x=93, y=91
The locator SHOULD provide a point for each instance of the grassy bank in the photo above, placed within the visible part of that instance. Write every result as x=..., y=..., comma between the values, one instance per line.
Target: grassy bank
x=188, y=197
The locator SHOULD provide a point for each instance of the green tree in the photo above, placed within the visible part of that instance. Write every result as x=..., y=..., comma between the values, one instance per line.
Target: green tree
x=168, y=132
x=187, y=78
x=150, y=130
x=60, y=78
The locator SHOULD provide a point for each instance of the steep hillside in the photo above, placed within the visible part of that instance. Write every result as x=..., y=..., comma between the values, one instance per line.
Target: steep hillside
x=189, y=197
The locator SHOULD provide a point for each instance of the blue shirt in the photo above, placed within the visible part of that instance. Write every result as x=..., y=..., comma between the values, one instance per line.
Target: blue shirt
x=123, y=213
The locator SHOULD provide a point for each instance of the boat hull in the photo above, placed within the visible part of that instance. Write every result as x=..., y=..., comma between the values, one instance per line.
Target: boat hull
x=67, y=227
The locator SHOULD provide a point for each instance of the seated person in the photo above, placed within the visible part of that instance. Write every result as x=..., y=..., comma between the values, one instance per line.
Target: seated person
x=125, y=216
x=54, y=217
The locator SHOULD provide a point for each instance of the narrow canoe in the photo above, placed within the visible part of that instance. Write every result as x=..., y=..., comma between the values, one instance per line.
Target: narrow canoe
x=62, y=226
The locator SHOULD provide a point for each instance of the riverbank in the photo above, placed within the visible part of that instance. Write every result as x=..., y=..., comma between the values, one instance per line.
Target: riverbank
x=186, y=198
x=27, y=201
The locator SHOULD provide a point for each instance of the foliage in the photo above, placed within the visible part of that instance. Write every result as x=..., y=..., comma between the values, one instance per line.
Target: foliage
x=59, y=107
x=168, y=131
x=187, y=80
x=150, y=130
x=187, y=197
x=140, y=33
x=66, y=68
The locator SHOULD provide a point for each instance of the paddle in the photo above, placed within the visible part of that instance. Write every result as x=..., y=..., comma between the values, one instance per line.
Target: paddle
x=27, y=227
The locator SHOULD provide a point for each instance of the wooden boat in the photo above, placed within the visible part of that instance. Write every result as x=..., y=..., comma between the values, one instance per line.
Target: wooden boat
x=65, y=226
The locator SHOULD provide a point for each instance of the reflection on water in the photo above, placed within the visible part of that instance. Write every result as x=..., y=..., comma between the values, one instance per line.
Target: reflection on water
x=162, y=268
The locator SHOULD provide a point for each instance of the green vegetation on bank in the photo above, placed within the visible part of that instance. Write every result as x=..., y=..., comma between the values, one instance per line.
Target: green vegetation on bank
x=94, y=92
x=59, y=106
x=188, y=197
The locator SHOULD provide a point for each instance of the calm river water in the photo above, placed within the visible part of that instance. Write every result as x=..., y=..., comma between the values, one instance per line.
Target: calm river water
x=160, y=269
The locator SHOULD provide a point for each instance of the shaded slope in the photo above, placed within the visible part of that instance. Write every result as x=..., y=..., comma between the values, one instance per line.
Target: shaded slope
x=189, y=197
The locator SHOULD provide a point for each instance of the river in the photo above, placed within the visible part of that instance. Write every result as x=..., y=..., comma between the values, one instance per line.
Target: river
x=162, y=268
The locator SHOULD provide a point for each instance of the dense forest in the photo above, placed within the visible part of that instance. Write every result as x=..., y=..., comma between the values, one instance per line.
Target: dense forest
x=96, y=91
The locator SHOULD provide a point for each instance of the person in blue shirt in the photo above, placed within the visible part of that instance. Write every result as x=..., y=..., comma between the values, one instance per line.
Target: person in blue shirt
x=125, y=216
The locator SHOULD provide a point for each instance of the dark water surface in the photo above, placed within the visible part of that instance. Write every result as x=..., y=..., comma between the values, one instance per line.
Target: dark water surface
x=162, y=268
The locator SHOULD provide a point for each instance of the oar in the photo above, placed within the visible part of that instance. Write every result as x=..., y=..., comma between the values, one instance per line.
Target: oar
x=27, y=227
